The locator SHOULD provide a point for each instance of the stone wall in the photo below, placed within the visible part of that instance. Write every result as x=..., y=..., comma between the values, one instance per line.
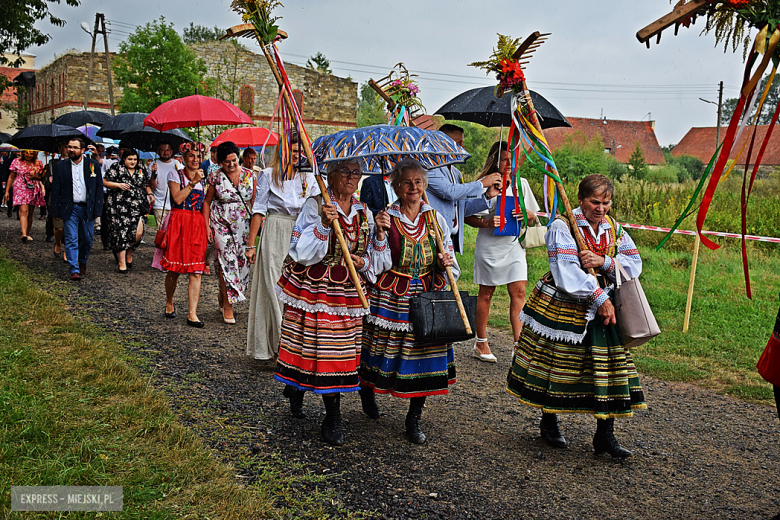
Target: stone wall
x=329, y=103
x=60, y=87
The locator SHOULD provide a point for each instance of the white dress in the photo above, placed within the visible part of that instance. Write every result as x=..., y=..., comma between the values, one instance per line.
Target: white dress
x=500, y=260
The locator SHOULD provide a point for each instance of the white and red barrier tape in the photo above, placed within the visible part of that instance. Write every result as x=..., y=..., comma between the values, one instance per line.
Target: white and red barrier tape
x=687, y=232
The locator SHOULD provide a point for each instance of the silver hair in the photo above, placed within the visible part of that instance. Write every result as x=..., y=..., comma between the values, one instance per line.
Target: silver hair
x=332, y=167
x=402, y=168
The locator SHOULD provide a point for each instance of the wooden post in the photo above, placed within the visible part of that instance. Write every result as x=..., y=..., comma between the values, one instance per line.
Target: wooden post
x=323, y=189
x=91, y=64
x=450, y=276
x=688, y=301
x=108, y=64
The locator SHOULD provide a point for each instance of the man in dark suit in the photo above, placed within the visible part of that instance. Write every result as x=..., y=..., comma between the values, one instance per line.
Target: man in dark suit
x=77, y=199
x=377, y=193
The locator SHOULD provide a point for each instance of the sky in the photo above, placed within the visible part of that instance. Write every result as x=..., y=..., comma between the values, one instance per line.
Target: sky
x=591, y=66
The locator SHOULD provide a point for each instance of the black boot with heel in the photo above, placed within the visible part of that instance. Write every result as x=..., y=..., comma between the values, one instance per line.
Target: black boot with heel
x=605, y=442
x=368, y=400
x=413, y=429
x=550, y=431
x=332, y=427
x=296, y=401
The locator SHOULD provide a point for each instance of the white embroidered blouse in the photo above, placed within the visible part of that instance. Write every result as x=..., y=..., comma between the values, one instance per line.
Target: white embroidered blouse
x=565, y=262
x=309, y=242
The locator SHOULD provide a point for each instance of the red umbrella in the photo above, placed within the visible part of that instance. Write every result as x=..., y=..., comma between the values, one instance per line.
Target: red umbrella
x=194, y=111
x=247, y=136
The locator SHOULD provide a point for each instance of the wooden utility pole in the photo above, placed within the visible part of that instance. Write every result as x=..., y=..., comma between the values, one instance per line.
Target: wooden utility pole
x=108, y=63
x=91, y=63
x=720, y=109
x=100, y=28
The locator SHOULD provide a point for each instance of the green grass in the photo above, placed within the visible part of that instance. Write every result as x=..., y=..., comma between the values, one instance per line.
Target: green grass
x=727, y=331
x=74, y=410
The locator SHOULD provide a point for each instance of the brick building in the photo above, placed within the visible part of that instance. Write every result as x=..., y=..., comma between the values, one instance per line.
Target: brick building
x=328, y=103
x=619, y=137
x=8, y=98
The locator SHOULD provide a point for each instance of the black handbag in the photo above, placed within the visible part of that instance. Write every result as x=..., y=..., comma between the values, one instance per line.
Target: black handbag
x=436, y=319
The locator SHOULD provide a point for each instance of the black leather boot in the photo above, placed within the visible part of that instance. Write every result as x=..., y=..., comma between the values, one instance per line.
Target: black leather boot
x=368, y=400
x=605, y=442
x=550, y=431
x=777, y=398
x=332, y=427
x=413, y=430
x=296, y=401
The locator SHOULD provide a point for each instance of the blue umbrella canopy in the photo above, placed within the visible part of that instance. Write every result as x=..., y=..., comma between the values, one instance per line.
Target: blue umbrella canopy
x=379, y=148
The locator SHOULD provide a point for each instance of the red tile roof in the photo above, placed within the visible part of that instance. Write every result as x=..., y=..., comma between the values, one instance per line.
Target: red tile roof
x=700, y=143
x=624, y=133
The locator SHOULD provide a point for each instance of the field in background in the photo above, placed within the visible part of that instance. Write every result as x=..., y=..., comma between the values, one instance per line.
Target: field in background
x=727, y=331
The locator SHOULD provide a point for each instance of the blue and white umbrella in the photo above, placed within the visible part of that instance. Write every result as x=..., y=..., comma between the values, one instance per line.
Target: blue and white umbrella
x=379, y=148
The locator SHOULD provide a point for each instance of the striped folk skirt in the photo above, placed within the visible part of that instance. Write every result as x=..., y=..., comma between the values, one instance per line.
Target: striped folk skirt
x=322, y=326
x=558, y=374
x=391, y=360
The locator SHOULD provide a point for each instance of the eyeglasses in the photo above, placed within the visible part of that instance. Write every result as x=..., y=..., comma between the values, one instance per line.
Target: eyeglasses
x=346, y=172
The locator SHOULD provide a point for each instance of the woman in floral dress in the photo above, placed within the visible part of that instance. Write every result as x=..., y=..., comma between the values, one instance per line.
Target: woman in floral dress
x=128, y=199
x=25, y=178
x=227, y=209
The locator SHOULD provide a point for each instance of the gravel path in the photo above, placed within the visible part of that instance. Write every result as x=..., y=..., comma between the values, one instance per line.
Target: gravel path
x=697, y=454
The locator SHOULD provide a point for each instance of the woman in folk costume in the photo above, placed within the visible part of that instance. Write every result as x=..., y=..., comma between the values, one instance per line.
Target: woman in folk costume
x=769, y=364
x=393, y=361
x=276, y=208
x=322, y=320
x=569, y=358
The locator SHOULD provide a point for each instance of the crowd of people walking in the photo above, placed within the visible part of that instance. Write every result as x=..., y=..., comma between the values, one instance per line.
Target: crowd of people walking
x=276, y=234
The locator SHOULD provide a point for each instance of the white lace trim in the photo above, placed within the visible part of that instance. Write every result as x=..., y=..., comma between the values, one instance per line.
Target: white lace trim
x=389, y=325
x=556, y=334
x=319, y=307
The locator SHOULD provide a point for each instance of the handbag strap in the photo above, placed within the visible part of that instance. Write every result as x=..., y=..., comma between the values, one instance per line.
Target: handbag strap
x=619, y=269
x=238, y=192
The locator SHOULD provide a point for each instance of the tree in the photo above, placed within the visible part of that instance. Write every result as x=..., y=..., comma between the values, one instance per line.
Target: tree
x=637, y=163
x=155, y=67
x=200, y=34
x=772, y=99
x=17, y=26
x=319, y=63
x=371, y=108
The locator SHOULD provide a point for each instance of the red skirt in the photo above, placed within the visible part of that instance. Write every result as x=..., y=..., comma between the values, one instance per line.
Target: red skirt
x=185, y=251
x=769, y=364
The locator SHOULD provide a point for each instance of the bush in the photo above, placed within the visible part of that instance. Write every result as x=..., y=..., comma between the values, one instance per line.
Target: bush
x=665, y=174
x=690, y=167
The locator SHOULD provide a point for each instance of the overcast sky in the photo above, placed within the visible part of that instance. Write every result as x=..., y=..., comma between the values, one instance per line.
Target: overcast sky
x=591, y=64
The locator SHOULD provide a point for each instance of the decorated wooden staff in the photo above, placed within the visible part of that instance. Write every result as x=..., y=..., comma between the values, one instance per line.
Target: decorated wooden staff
x=731, y=20
x=263, y=28
x=506, y=62
x=401, y=94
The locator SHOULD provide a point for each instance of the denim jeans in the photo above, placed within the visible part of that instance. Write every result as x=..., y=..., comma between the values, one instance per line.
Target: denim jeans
x=78, y=237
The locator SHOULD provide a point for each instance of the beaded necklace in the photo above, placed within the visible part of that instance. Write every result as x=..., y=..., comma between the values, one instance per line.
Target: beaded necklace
x=603, y=246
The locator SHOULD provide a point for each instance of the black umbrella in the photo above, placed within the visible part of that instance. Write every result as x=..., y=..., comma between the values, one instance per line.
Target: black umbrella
x=146, y=138
x=481, y=106
x=4, y=138
x=119, y=123
x=46, y=138
x=83, y=117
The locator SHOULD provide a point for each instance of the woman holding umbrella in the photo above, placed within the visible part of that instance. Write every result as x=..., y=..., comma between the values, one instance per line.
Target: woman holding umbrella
x=26, y=173
x=128, y=199
x=392, y=360
x=322, y=320
x=231, y=192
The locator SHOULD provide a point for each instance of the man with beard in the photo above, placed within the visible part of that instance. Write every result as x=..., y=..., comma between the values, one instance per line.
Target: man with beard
x=77, y=199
